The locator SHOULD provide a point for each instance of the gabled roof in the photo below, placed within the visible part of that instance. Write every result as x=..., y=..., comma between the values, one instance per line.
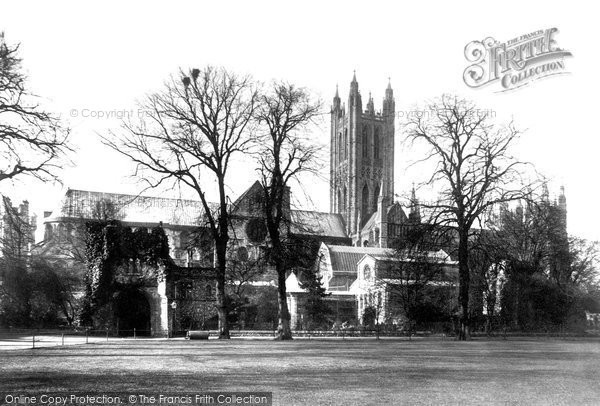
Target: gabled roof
x=344, y=259
x=249, y=203
x=370, y=222
x=316, y=223
x=395, y=215
x=292, y=285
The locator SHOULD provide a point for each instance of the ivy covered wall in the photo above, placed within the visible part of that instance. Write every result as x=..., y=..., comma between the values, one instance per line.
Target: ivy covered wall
x=109, y=246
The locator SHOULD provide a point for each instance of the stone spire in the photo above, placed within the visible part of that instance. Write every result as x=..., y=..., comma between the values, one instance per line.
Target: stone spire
x=415, y=211
x=336, y=99
x=562, y=205
x=354, y=99
x=389, y=93
x=389, y=105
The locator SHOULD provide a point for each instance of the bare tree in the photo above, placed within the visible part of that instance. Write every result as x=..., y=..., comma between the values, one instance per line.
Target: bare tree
x=32, y=141
x=189, y=134
x=474, y=171
x=284, y=154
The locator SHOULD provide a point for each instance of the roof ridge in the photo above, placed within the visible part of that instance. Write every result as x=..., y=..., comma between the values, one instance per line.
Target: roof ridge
x=316, y=211
x=134, y=196
x=351, y=247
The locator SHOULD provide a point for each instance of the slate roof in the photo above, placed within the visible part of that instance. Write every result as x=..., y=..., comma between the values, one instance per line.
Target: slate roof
x=344, y=259
x=80, y=204
x=305, y=222
x=341, y=282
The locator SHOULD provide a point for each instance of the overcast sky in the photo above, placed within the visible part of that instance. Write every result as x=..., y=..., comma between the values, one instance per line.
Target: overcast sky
x=85, y=58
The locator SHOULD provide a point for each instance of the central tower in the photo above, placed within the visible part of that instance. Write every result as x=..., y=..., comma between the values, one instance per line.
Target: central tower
x=362, y=157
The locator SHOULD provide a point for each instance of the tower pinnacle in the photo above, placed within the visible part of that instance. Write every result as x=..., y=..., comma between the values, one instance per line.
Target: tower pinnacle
x=415, y=212
x=370, y=105
x=562, y=199
x=389, y=93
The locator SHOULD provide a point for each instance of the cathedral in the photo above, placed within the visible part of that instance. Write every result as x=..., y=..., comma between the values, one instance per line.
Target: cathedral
x=353, y=241
x=362, y=169
x=362, y=193
x=363, y=219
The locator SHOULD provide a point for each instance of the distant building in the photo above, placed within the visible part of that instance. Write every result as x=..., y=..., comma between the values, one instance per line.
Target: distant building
x=360, y=277
x=17, y=229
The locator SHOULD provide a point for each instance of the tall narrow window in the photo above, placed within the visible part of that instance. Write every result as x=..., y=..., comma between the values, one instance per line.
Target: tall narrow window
x=365, y=204
x=340, y=147
x=375, y=198
x=365, y=141
x=345, y=143
x=344, y=201
x=376, y=143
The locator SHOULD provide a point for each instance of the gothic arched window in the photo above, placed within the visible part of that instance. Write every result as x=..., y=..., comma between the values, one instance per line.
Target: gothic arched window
x=340, y=203
x=365, y=203
x=344, y=201
x=340, y=146
x=376, y=143
x=375, y=198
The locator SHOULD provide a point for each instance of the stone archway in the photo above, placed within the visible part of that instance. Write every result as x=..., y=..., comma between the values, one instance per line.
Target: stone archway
x=132, y=312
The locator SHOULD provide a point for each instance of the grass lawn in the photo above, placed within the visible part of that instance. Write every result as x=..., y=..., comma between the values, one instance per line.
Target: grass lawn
x=321, y=372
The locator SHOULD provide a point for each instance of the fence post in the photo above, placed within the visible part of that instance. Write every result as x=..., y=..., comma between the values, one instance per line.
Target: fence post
x=134, y=333
x=87, y=333
x=63, y=339
x=33, y=340
x=107, y=334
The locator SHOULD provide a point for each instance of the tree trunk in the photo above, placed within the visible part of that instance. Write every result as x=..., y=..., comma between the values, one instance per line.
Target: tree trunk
x=221, y=303
x=463, y=285
x=284, y=331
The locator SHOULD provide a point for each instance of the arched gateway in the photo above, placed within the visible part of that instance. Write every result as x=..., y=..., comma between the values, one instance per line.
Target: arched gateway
x=132, y=313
